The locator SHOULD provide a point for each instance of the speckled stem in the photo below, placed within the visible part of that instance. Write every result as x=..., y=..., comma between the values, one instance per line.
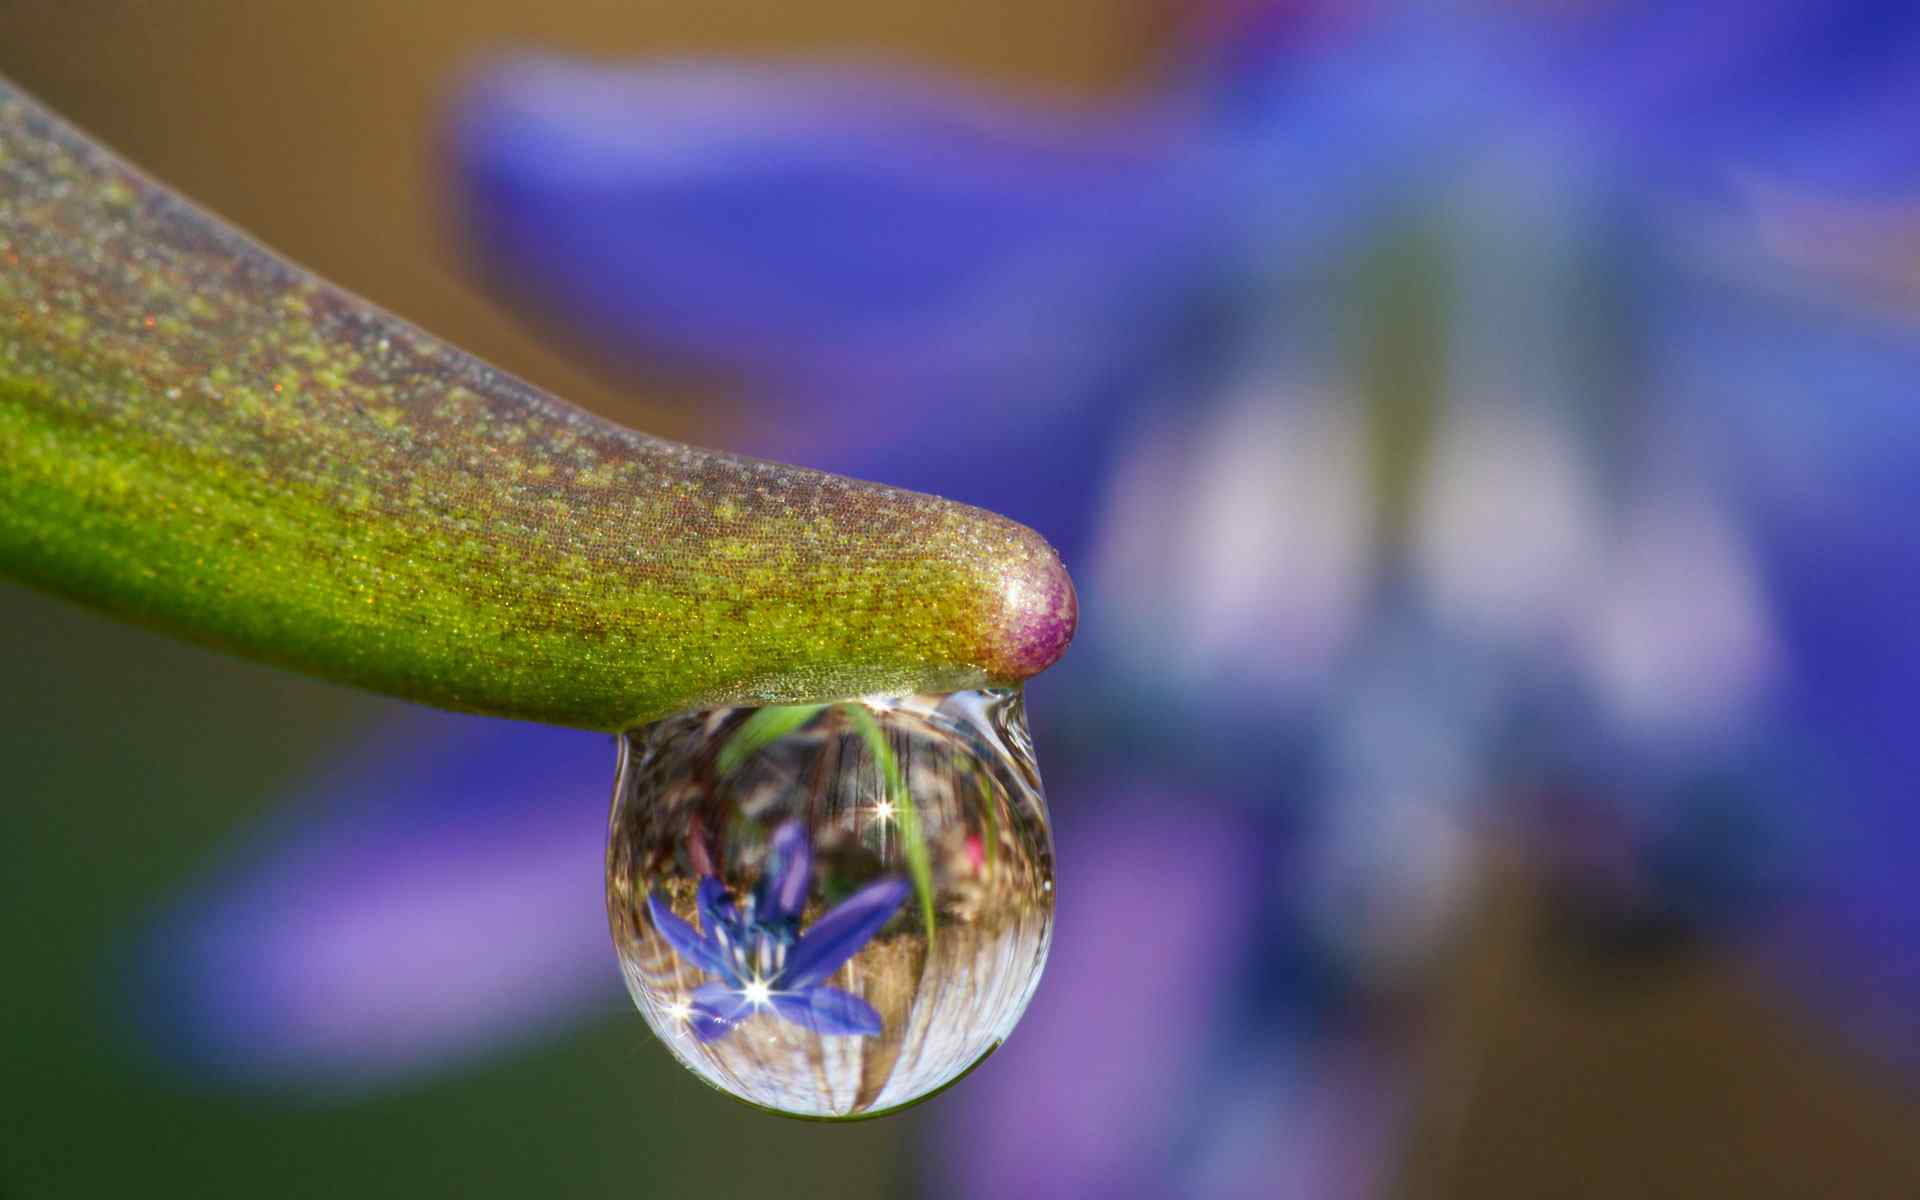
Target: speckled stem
x=199, y=436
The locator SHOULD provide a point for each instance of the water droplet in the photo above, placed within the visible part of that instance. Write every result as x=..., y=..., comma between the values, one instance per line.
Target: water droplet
x=832, y=910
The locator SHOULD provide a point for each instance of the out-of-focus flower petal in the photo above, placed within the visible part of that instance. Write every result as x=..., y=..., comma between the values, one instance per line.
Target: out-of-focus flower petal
x=1807, y=91
x=435, y=895
x=827, y=230
x=838, y=936
x=1848, y=589
x=1236, y=541
x=828, y=1011
x=1108, y=1064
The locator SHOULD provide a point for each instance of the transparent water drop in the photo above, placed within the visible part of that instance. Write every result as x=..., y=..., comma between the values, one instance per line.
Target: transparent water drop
x=832, y=911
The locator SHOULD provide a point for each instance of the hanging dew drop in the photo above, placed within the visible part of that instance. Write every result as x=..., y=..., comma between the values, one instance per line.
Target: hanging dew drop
x=832, y=911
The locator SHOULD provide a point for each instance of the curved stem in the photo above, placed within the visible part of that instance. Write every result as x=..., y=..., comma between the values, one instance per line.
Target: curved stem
x=199, y=436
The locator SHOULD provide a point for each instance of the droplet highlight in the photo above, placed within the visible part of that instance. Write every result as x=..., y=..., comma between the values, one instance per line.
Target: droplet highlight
x=832, y=911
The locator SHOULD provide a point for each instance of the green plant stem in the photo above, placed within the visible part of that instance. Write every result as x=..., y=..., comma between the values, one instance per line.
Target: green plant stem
x=199, y=436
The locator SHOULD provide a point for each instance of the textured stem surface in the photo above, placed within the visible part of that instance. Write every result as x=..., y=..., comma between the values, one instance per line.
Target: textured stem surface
x=199, y=436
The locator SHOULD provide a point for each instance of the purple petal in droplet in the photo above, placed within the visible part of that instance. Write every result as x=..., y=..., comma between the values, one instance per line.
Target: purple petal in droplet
x=782, y=893
x=685, y=940
x=840, y=934
x=717, y=914
x=716, y=1009
x=828, y=1011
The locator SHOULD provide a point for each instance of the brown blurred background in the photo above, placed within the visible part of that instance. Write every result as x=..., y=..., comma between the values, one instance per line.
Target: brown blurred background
x=128, y=756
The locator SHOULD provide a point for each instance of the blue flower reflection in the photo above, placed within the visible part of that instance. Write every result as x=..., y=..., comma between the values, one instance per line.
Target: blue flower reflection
x=762, y=957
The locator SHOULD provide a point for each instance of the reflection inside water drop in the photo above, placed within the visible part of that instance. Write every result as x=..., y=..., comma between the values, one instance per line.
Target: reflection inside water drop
x=832, y=910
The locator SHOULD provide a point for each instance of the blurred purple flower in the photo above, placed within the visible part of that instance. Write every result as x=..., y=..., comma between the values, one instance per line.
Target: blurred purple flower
x=1114, y=1091
x=762, y=958
x=1605, y=488
x=435, y=894
x=1812, y=93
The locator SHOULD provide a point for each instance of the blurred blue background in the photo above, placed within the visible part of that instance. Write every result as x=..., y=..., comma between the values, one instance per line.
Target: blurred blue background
x=1483, y=438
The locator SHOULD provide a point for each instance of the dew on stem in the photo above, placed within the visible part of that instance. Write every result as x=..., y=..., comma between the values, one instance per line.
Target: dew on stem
x=834, y=910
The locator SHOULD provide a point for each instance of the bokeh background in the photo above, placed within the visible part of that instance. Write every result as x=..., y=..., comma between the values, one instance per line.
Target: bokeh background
x=1595, y=961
